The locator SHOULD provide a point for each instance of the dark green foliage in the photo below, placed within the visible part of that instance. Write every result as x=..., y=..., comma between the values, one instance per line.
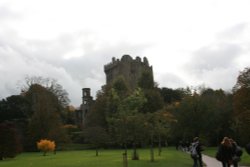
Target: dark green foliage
x=96, y=136
x=241, y=104
x=208, y=115
x=154, y=101
x=146, y=80
x=10, y=144
x=14, y=108
x=170, y=95
x=46, y=122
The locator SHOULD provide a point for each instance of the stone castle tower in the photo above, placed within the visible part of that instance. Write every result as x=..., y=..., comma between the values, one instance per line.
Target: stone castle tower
x=131, y=69
x=87, y=102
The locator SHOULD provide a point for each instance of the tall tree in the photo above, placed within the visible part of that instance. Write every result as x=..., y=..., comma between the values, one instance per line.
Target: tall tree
x=46, y=121
x=241, y=104
x=50, y=84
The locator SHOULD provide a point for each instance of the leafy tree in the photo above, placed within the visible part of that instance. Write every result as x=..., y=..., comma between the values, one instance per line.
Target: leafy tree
x=96, y=136
x=154, y=101
x=146, y=81
x=170, y=95
x=46, y=121
x=10, y=144
x=15, y=107
x=127, y=123
x=46, y=146
x=17, y=110
x=50, y=84
x=97, y=117
x=207, y=115
x=241, y=104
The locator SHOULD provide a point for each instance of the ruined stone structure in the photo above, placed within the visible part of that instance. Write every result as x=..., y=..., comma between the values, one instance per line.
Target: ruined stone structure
x=131, y=69
x=87, y=102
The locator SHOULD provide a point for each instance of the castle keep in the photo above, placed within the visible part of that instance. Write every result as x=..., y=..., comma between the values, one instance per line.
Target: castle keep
x=131, y=69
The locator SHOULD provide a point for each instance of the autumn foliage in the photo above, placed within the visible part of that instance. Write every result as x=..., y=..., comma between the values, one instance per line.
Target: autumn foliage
x=46, y=145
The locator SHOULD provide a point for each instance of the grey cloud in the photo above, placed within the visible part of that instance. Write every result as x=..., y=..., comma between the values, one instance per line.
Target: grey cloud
x=215, y=57
x=20, y=57
x=170, y=80
x=216, y=64
x=233, y=33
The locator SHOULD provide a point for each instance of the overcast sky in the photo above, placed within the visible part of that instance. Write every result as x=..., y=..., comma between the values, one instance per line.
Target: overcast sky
x=188, y=42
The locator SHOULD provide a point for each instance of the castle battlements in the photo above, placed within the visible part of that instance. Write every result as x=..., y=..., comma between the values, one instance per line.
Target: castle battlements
x=131, y=69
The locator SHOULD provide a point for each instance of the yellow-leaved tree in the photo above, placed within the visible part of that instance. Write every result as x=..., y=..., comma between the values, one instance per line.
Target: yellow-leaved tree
x=46, y=145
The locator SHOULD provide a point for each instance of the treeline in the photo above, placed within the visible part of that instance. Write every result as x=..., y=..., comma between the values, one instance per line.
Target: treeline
x=121, y=117
x=151, y=115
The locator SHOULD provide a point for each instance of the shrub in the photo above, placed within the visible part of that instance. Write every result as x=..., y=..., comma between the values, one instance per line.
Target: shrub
x=10, y=144
x=46, y=146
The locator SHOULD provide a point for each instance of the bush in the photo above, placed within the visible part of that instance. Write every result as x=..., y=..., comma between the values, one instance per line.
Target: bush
x=46, y=146
x=10, y=144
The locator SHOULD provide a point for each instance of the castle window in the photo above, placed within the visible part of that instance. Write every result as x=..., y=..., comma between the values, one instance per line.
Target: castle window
x=85, y=102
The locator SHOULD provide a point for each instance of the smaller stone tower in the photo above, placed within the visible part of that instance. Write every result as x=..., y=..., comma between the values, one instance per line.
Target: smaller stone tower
x=87, y=101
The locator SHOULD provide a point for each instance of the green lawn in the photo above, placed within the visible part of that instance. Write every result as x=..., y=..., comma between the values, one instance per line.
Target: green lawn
x=107, y=158
x=245, y=159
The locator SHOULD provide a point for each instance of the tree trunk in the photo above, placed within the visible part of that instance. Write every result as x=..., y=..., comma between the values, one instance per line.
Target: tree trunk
x=159, y=146
x=152, y=151
x=44, y=153
x=135, y=155
x=96, y=152
x=125, y=159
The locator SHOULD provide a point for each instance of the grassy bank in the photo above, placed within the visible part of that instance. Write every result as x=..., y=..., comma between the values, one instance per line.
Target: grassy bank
x=107, y=158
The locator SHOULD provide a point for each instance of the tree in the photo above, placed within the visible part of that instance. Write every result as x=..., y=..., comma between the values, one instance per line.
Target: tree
x=241, y=104
x=10, y=144
x=46, y=146
x=46, y=121
x=17, y=110
x=127, y=123
x=50, y=84
x=207, y=115
x=15, y=107
x=146, y=81
x=170, y=95
x=96, y=136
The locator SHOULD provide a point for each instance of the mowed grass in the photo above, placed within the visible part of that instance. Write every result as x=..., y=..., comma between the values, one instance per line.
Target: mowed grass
x=107, y=158
x=245, y=158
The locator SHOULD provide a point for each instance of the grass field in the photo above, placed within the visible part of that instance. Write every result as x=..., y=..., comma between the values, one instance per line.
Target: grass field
x=107, y=158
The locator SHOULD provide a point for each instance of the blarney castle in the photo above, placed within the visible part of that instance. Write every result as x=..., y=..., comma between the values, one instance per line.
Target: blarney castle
x=131, y=69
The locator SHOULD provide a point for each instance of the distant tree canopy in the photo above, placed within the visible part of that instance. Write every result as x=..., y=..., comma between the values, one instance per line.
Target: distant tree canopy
x=50, y=84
